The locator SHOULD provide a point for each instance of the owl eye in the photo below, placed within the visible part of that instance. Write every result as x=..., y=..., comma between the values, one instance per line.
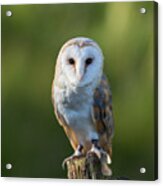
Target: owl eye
x=71, y=61
x=88, y=61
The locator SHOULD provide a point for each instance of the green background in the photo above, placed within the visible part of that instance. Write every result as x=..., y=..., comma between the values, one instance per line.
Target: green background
x=32, y=140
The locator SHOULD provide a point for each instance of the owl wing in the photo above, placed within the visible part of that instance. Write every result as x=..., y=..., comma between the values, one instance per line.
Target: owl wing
x=69, y=132
x=102, y=114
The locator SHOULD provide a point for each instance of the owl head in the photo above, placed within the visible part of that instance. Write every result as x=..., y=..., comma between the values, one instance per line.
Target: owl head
x=80, y=62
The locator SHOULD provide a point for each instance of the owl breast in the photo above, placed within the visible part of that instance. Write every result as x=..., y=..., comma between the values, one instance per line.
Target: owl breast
x=75, y=106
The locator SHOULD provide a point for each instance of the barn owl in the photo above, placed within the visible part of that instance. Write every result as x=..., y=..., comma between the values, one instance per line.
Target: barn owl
x=82, y=100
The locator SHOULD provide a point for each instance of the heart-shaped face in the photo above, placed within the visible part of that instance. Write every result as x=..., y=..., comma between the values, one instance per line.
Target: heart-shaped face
x=80, y=62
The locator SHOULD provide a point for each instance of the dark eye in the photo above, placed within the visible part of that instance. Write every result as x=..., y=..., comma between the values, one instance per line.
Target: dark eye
x=88, y=61
x=71, y=61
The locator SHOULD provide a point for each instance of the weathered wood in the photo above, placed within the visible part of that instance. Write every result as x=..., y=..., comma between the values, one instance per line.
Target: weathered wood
x=85, y=167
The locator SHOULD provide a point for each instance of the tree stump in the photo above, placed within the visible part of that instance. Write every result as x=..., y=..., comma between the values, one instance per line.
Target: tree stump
x=85, y=167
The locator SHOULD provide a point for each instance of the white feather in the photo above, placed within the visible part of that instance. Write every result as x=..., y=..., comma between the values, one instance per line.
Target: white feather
x=74, y=97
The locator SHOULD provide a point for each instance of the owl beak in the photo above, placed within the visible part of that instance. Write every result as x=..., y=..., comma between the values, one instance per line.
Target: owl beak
x=80, y=72
x=80, y=77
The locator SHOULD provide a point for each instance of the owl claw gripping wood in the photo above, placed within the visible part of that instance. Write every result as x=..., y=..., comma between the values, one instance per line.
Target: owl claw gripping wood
x=77, y=154
x=82, y=100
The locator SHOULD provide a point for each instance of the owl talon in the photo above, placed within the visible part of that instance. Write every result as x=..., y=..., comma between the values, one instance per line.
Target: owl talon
x=104, y=159
x=96, y=151
x=95, y=148
x=76, y=154
x=66, y=160
x=100, y=153
x=106, y=156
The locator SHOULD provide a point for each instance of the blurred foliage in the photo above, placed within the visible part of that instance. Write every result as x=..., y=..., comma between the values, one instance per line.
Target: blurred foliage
x=32, y=140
